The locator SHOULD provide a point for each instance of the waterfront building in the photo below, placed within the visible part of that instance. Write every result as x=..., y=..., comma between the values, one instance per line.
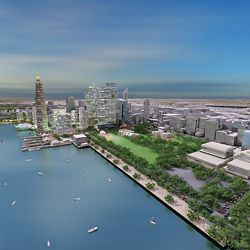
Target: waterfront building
x=125, y=94
x=53, y=117
x=70, y=104
x=63, y=124
x=101, y=105
x=80, y=140
x=83, y=118
x=146, y=104
x=74, y=117
x=213, y=154
x=41, y=111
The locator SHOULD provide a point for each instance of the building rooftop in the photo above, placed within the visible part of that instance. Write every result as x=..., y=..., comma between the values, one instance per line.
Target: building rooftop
x=240, y=164
x=79, y=136
x=208, y=159
x=217, y=146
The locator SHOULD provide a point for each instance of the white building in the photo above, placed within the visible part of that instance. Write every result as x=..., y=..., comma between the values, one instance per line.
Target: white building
x=213, y=154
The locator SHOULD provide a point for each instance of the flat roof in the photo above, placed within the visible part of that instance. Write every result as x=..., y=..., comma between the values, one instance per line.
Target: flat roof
x=217, y=146
x=79, y=136
x=208, y=159
x=240, y=164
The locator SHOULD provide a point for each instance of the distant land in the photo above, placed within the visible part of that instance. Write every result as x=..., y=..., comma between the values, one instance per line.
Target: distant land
x=177, y=102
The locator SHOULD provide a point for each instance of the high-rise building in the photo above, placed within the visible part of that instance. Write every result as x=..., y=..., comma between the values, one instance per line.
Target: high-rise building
x=101, y=105
x=122, y=111
x=146, y=105
x=125, y=94
x=70, y=104
x=41, y=112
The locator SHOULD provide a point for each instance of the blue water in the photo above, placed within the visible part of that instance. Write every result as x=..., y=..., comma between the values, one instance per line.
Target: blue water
x=45, y=209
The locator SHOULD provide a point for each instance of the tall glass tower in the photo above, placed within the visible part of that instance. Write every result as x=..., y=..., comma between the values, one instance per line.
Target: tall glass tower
x=41, y=112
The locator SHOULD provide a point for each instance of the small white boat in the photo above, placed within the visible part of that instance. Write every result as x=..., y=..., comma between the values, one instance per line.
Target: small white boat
x=13, y=203
x=29, y=159
x=152, y=221
x=40, y=173
x=93, y=229
x=48, y=243
x=84, y=175
x=109, y=180
x=76, y=199
x=5, y=184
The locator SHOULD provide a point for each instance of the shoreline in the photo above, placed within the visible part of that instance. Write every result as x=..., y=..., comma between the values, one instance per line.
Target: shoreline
x=179, y=207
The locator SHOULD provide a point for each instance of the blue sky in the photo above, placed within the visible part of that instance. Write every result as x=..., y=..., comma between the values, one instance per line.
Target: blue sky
x=155, y=48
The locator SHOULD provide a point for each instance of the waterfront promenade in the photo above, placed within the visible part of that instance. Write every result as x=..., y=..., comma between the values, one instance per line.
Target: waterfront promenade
x=179, y=205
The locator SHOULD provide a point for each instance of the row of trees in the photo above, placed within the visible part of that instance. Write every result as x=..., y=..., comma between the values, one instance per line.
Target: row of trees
x=218, y=186
x=234, y=231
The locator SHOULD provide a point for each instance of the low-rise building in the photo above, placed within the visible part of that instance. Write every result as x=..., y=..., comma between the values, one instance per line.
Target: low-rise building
x=240, y=165
x=213, y=154
x=80, y=140
x=127, y=132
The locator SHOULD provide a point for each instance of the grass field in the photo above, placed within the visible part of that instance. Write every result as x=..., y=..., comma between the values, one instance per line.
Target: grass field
x=138, y=150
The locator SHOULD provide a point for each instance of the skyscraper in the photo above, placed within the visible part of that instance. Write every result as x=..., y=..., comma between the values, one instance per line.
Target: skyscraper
x=101, y=105
x=70, y=104
x=41, y=112
x=146, y=104
x=125, y=94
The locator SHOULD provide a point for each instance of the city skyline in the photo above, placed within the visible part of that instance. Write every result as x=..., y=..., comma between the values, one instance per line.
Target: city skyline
x=159, y=50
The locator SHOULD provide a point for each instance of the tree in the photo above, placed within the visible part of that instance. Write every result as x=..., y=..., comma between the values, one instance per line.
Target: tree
x=125, y=167
x=169, y=199
x=137, y=176
x=150, y=185
x=192, y=215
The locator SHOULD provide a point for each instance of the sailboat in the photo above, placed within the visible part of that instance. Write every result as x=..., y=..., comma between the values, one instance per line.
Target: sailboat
x=152, y=221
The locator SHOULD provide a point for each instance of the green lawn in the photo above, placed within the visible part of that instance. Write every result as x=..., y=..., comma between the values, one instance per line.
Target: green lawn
x=138, y=150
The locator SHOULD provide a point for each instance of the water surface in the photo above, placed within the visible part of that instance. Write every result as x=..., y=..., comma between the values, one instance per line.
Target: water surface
x=45, y=210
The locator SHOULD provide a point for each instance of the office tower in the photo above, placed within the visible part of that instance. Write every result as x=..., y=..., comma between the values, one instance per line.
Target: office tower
x=106, y=105
x=122, y=111
x=125, y=94
x=146, y=104
x=101, y=105
x=70, y=104
x=211, y=126
x=191, y=126
x=83, y=118
x=41, y=112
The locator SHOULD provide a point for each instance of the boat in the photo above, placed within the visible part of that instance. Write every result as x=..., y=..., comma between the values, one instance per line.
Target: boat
x=76, y=199
x=84, y=175
x=92, y=230
x=13, y=203
x=40, y=173
x=48, y=243
x=152, y=221
x=5, y=184
x=29, y=159
x=109, y=180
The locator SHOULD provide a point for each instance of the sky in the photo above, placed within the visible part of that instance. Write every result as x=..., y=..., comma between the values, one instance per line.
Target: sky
x=155, y=48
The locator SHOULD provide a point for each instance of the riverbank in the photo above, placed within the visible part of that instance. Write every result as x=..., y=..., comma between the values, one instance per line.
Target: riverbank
x=179, y=206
